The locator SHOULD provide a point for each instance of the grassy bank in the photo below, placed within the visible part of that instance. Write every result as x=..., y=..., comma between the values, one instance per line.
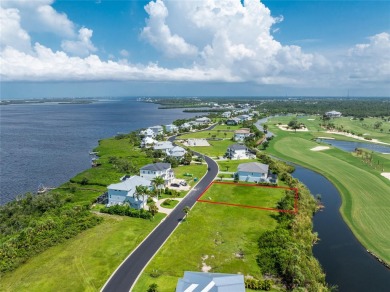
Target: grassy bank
x=365, y=193
x=84, y=262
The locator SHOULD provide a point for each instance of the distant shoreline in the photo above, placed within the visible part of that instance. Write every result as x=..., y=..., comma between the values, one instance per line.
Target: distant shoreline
x=49, y=100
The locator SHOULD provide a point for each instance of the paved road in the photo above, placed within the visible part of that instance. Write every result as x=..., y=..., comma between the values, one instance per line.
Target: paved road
x=124, y=278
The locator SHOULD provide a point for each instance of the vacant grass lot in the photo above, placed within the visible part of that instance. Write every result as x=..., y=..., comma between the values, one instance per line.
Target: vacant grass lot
x=364, y=192
x=244, y=195
x=197, y=170
x=232, y=165
x=84, y=262
x=213, y=232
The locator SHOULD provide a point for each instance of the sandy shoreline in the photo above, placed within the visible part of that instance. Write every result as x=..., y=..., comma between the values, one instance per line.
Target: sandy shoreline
x=356, y=137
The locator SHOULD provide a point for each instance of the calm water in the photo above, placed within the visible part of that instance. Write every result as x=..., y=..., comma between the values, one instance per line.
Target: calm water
x=345, y=261
x=350, y=146
x=50, y=143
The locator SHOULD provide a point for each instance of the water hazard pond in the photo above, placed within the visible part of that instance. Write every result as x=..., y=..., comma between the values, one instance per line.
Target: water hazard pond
x=350, y=146
x=346, y=262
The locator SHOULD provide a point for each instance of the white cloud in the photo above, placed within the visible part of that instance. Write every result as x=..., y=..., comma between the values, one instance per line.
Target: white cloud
x=39, y=15
x=370, y=62
x=12, y=34
x=82, y=46
x=215, y=41
x=159, y=34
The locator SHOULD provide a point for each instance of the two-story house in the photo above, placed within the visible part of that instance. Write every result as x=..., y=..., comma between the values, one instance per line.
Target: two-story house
x=154, y=170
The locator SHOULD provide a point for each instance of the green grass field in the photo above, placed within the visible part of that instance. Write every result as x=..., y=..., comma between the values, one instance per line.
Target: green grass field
x=363, y=128
x=244, y=195
x=197, y=170
x=220, y=239
x=364, y=191
x=82, y=263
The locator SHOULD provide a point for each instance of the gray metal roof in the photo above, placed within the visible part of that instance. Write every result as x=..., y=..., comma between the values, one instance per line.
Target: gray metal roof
x=130, y=184
x=210, y=282
x=253, y=167
x=157, y=166
x=237, y=147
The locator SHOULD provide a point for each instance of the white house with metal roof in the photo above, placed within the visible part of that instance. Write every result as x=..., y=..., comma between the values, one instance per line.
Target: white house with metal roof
x=124, y=192
x=210, y=282
x=163, y=146
x=203, y=120
x=153, y=170
x=241, y=134
x=171, y=128
x=177, y=152
x=237, y=151
x=253, y=172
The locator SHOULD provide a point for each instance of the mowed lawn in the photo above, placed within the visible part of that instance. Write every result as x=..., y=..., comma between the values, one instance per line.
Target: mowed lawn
x=213, y=235
x=365, y=194
x=255, y=195
x=82, y=263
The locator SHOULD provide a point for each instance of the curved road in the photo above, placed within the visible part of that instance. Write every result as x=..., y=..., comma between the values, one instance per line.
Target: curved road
x=126, y=275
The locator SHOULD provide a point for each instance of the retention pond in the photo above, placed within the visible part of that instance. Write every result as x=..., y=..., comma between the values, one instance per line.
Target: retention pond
x=346, y=262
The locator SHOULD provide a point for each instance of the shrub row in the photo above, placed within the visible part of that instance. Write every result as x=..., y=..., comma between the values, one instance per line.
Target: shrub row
x=126, y=210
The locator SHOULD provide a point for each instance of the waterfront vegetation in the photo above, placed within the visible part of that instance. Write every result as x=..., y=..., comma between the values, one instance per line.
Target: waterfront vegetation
x=364, y=191
x=84, y=262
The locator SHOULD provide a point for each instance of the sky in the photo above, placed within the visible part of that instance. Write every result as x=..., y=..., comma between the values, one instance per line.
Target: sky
x=108, y=48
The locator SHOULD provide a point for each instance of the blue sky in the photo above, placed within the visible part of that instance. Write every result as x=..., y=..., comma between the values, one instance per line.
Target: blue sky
x=198, y=47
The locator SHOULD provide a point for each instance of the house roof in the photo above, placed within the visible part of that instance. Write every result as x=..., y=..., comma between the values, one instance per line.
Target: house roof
x=206, y=282
x=163, y=145
x=202, y=119
x=253, y=167
x=177, y=151
x=130, y=184
x=237, y=147
x=157, y=166
x=156, y=127
x=148, y=140
x=242, y=131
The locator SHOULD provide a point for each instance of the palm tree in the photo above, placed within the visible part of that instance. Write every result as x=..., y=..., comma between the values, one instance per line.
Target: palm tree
x=186, y=210
x=158, y=181
x=153, y=208
x=140, y=191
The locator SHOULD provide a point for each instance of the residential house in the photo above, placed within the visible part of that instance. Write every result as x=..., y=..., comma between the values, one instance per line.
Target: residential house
x=157, y=130
x=226, y=114
x=177, y=152
x=203, y=121
x=125, y=192
x=148, y=133
x=237, y=151
x=171, y=128
x=210, y=282
x=333, y=114
x=244, y=118
x=153, y=170
x=254, y=172
x=233, y=121
x=186, y=127
x=148, y=142
x=163, y=146
x=241, y=134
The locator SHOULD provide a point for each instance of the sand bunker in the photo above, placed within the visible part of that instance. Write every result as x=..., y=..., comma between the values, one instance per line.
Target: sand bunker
x=311, y=119
x=319, y=148
x=286, y=128
x=357, y=137
x=386, y=175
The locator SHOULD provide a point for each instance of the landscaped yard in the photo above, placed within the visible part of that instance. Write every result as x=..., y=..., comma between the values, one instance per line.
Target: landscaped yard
x=364, y=191
x=82, y=263
x=213, y=236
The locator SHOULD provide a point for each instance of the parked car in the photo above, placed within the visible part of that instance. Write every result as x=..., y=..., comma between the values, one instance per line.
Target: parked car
x=183, y=183
x=175, y=185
